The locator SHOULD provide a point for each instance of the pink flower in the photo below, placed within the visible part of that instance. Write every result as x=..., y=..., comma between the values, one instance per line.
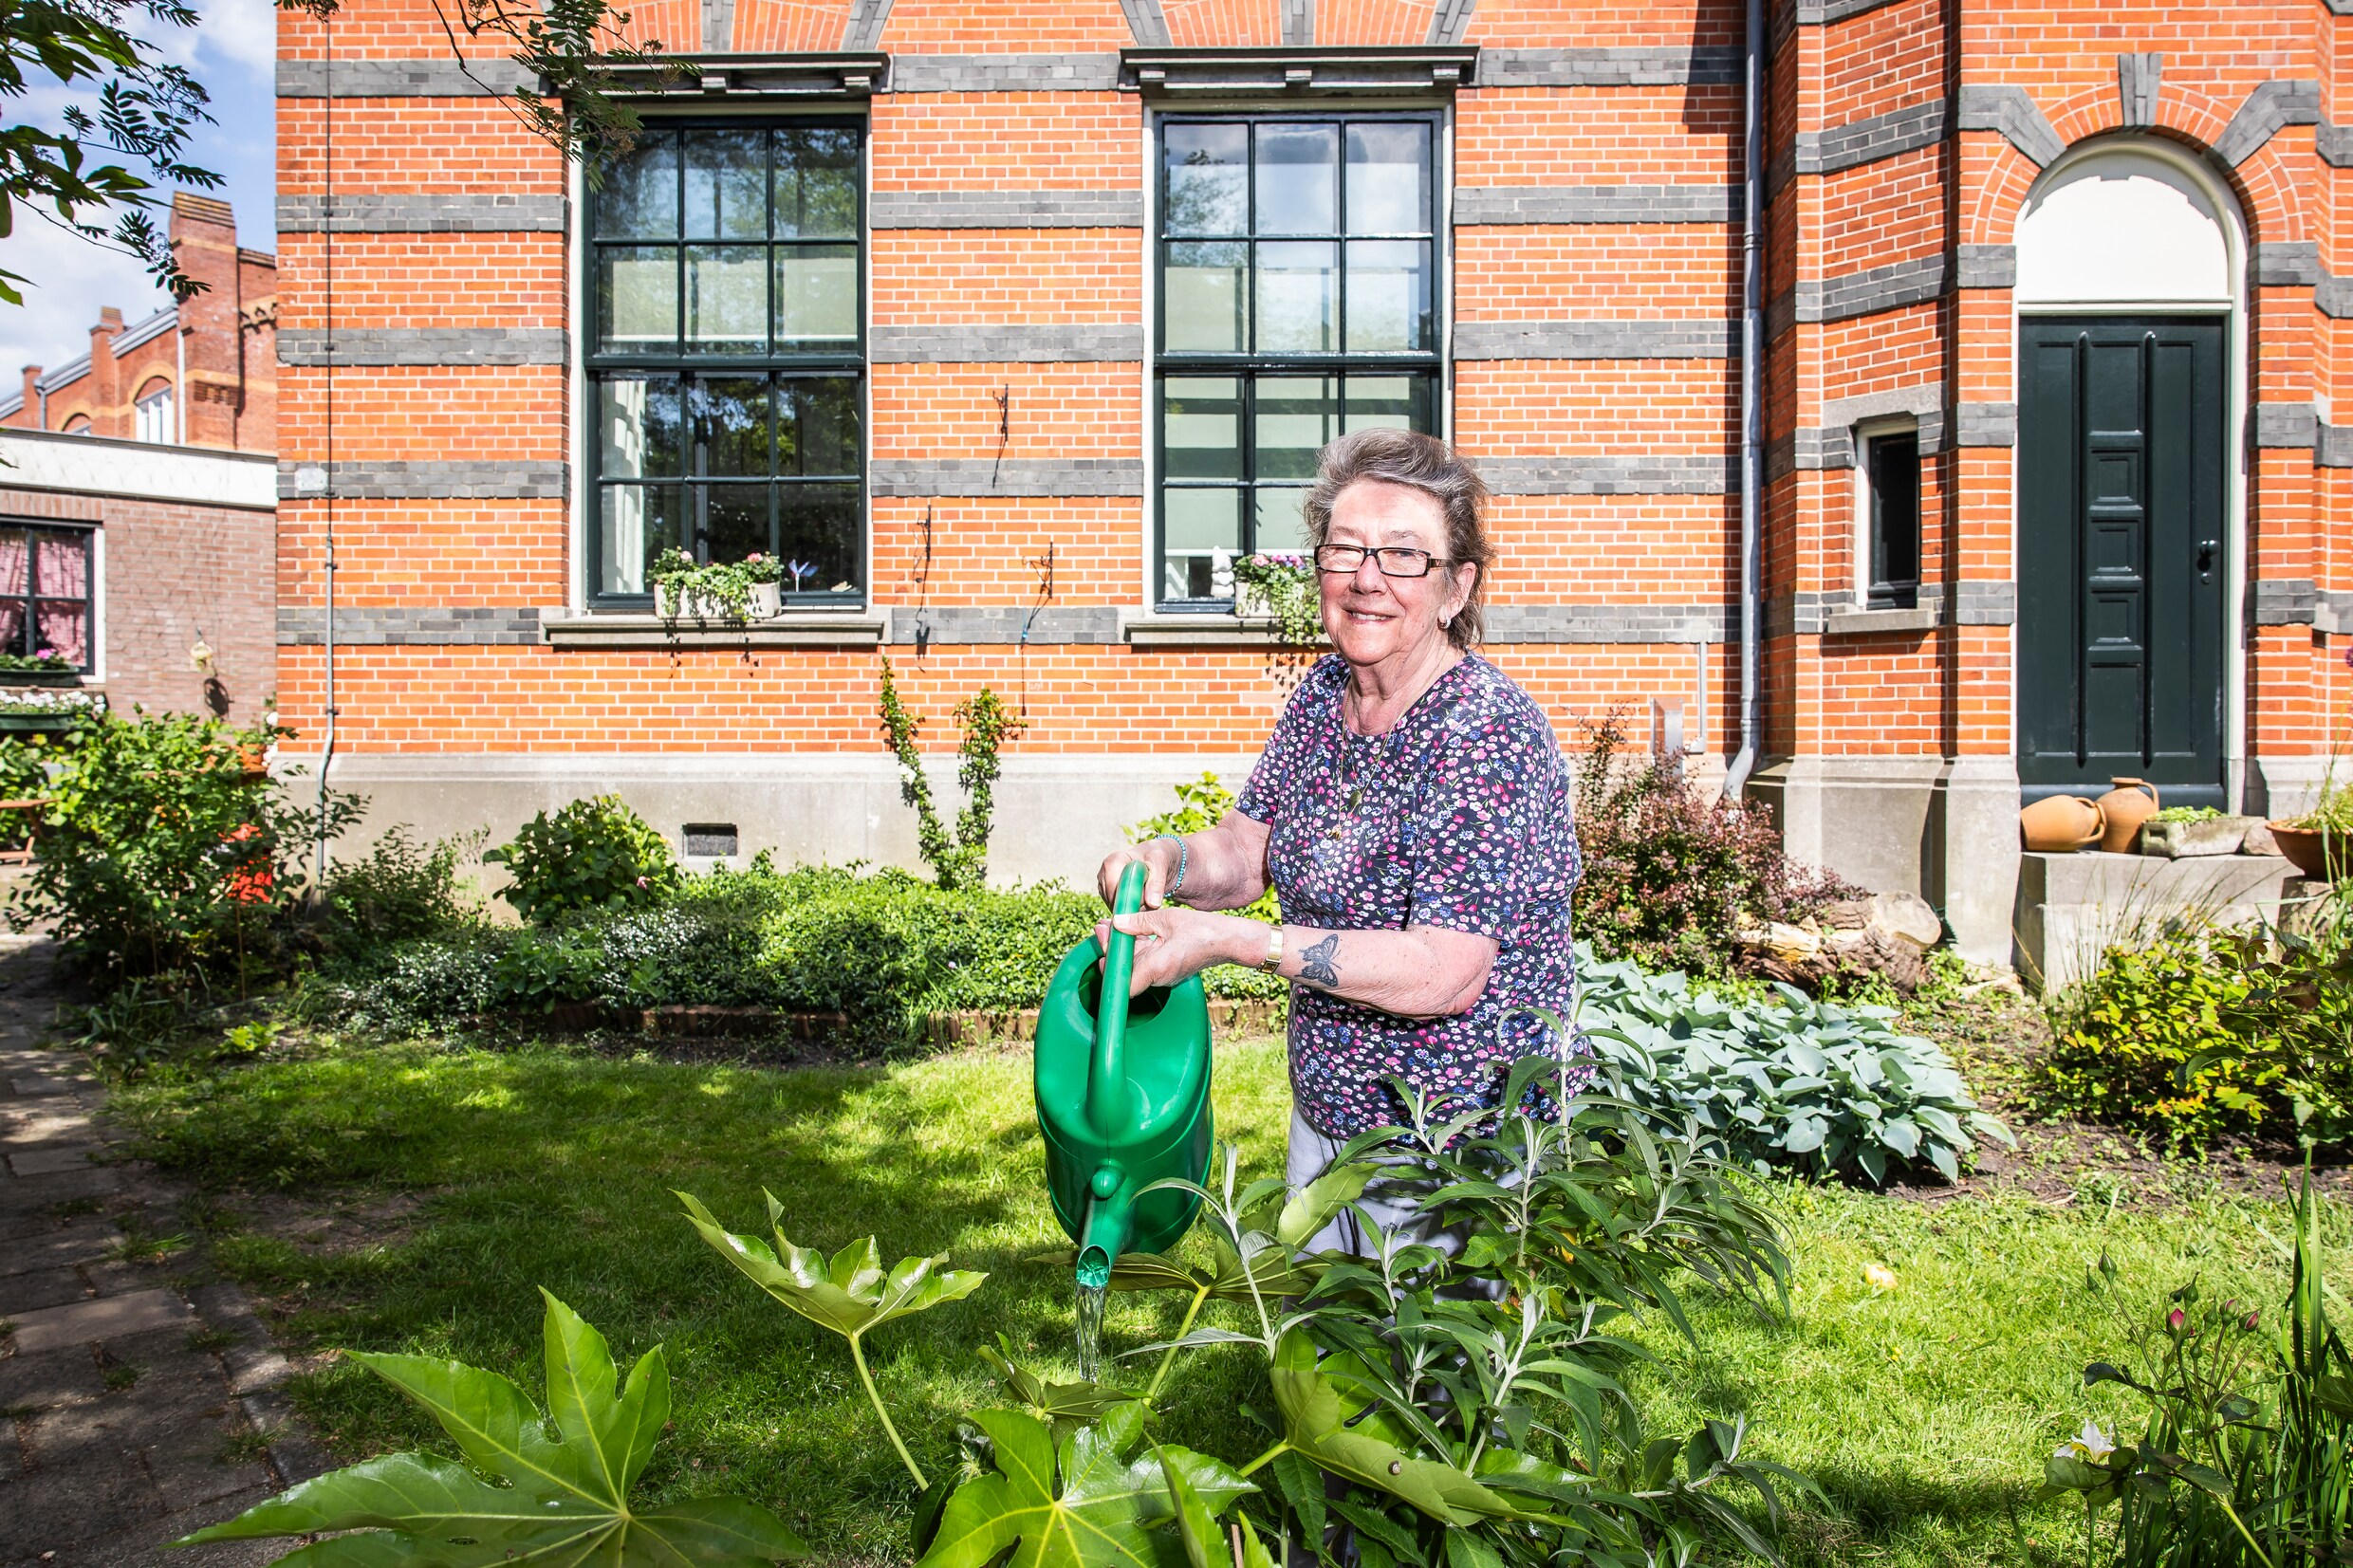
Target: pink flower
x=2174, y=1318
x=2251, y=1318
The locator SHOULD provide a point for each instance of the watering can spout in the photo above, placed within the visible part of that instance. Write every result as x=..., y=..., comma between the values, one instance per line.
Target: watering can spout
x=1109, y=1217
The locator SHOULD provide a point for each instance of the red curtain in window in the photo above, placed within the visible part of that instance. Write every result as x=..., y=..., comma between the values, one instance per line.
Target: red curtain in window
x=61, y=581
x=14, y=561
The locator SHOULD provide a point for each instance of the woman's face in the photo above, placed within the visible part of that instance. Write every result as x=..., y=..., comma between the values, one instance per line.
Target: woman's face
x=1372, y=617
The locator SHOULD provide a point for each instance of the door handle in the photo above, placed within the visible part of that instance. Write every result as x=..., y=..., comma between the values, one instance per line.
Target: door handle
x=2206, y=548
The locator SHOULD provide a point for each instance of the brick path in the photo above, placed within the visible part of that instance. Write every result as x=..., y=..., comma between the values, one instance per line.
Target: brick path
x=139, y=1398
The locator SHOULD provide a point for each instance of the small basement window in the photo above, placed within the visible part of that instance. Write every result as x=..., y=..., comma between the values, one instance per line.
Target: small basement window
x=708, y=840
x=1890, y=470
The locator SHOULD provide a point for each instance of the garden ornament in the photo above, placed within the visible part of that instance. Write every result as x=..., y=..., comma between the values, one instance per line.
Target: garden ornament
x=1122, y=1098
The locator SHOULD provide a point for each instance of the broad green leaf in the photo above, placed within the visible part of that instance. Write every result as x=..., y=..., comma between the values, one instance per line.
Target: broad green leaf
x=848, y=1292
x=1315, y=1419
x=1084, y=1505
x=1057, y=1404
x=1311, y=1208
x=568, y=1503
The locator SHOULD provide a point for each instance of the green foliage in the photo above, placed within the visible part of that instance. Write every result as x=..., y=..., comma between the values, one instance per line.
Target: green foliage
x=1783, y=1082
x=162, y=852
x=723, y=587
x=2187, y=814
x=565, y=1498
x=2206, y=1035
x=960, y=861
x=24, y=776
x=2246, y=1460
x=1201, y=807
x=48, y=658
x=595, y=854
x=1288, y=582
x=400, y=889
x=1671, y=872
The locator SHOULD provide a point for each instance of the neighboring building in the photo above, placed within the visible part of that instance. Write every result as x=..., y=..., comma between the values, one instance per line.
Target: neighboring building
x=1005, y=328
x=147, y=559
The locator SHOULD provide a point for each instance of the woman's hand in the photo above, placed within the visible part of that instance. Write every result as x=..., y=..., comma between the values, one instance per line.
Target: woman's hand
x=1158, y=858
x=1175, y=943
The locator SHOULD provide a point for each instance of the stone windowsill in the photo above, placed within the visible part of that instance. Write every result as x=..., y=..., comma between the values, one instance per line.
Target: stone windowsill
x=793, y=629
x=1852, y=623
x=1156, y=629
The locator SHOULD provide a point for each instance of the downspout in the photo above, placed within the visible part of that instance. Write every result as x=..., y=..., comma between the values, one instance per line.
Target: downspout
x=326, y=236
x=179, y=382
x=1751, y=401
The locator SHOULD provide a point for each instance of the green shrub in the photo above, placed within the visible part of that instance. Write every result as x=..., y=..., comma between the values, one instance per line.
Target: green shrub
x=593, y=854
x=1786, y=1083
x=400, y=889
x=1201, y=807
x=162, y=852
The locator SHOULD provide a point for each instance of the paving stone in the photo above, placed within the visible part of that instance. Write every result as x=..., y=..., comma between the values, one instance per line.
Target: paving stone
x=52, y=1243
x=58, y=1187
x=45, y=1123
x=77, y=1498
x=108, y=1316
x=43, y=1378
x=34, y=1289
x=142, y=1544
x=189, y=1474
x=45, y=1162
x=30, y=1085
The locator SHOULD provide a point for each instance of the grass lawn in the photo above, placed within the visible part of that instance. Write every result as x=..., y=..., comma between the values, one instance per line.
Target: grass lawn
x=463, y=1178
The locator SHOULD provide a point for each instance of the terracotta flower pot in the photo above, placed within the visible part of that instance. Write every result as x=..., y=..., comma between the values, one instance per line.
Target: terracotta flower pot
x=2320, y=853
x=2132, y=802
x=2060, y=824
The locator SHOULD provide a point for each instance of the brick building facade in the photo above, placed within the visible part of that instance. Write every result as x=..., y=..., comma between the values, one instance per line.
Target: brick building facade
x=1004, y=322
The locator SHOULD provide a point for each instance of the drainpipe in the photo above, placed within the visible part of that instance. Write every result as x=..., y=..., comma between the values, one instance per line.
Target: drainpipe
x=1751, y=401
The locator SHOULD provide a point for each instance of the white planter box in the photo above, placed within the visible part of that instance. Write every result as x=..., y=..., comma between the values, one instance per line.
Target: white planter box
x=2188, y=840
x=767, y=601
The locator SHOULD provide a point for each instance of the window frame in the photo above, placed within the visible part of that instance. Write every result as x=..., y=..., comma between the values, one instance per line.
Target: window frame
x=27, y=639
x=1873, y=591
x=1252, y=366
x=848, y=362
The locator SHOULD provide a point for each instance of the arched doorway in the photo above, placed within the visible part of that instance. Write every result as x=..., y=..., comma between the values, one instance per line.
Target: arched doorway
x=2130, y=262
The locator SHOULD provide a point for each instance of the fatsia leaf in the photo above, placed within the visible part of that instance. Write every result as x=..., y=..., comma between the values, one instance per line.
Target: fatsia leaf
x=1310, y=1207
x=848, y=1292
x=1316, y=1425
x=568, y=1503
x=1082, y=1505
x=1053, y=1403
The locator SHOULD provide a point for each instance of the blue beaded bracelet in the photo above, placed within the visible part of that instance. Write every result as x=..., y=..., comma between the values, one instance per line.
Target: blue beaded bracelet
x=1184, y=854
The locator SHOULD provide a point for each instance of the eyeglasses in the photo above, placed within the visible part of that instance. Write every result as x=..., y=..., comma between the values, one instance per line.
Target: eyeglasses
x=1393, y=560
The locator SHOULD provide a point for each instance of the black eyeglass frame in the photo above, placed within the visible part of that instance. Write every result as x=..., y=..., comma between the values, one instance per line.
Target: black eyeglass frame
x=1381, y=554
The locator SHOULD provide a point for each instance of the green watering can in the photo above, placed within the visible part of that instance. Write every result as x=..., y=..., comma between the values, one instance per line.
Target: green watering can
x=1122, y=1089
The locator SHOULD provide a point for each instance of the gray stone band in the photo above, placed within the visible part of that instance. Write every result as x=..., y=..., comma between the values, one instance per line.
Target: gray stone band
x=1711, y=65
x=1815, y=13
x=1014, y=343
x=1146, y=23
x=1691, y=474
x=521, y=480
x=1608, y=622
x=2016, y=116
x=1597, y=204
x=1005, y=73
x=2267, y=109
x=426, y=78
x=1984, y=424
x=1005, y=210
x=981, y=477
x=304, y=625
x=425, y=212
x=1985, y=267
x=999, y=623
x=2286, y=425
x=1858, y=142
x=2289, y=264
x=1625, y=340
x=424, y=345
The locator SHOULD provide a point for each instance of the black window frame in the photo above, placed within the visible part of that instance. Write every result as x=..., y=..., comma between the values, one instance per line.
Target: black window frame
x=1250, y=367
x=1890, y=535
x=27, y=640
x=782, y=368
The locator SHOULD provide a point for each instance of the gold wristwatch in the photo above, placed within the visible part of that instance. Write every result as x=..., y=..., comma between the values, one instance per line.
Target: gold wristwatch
x=1274, y=950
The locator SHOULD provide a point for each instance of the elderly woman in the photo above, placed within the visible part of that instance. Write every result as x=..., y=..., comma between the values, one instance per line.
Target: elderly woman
x=1411, y=810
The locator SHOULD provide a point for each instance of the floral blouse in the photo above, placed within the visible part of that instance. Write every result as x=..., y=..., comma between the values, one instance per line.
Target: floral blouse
x=1457, y=818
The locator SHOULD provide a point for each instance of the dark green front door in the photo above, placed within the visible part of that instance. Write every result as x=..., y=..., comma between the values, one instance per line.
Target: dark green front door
x=2120, y=486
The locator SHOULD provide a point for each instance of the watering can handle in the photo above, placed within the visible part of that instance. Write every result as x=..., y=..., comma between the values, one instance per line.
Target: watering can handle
x=1106, y=1080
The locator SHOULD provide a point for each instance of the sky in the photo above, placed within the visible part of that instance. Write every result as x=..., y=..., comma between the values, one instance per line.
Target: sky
x=231, y=52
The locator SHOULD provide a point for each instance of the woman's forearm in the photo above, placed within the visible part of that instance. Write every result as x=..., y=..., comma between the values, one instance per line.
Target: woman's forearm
x=1225, y=866
x=1413, y=973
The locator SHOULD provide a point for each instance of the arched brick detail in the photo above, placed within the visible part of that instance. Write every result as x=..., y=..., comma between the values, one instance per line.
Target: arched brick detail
x=149, y=387
x=1996, y=177
x=2092, y=112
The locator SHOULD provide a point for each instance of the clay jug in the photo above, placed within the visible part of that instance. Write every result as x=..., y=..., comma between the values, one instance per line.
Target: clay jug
x=2060, y=824
x=2132, y=802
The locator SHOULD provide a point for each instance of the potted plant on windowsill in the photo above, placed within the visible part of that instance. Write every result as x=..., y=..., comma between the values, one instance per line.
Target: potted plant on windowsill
x=740, y=590
x=49, y=711
x=1281, y=584
x=46, y=668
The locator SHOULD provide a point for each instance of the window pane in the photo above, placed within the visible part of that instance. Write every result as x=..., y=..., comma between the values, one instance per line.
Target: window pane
x=817, y=183
x=1389, y=179
x=1298, y=179
x=725, y=185
x=1203, y=295
x=726, y=299
x=817, y=427
x=15, y=563
x=637, y=299
x=1388, y=402
x=640, y=199
x=1296, y=295
x=734, y=521
x=1895, y=476
x=1201, y=427
x=1279, y=524
x=816, y=294
x=637, y=427
x=1207, y=168
x=1388, y=295
x=1199, y=521
x=638, y=521
x=1297, y=415
x=63, y=626
x=61, y=564
x=12, y=626
x=818, y=529
x=731, y=426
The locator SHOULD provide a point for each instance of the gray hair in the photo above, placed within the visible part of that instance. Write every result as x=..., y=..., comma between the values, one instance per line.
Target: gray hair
x=1421, y=463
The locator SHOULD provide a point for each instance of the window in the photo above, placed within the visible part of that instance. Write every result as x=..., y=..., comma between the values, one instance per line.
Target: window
x=154, y=415
x=1891, y=481
x=1297, y=271
x=45, y=591
x=79, y=425
x=727, y=356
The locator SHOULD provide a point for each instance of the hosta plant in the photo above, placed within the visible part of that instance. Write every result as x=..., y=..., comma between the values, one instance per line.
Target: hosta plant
x=565, y=1498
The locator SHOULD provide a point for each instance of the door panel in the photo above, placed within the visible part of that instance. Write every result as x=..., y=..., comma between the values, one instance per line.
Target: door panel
x=2120, y=489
